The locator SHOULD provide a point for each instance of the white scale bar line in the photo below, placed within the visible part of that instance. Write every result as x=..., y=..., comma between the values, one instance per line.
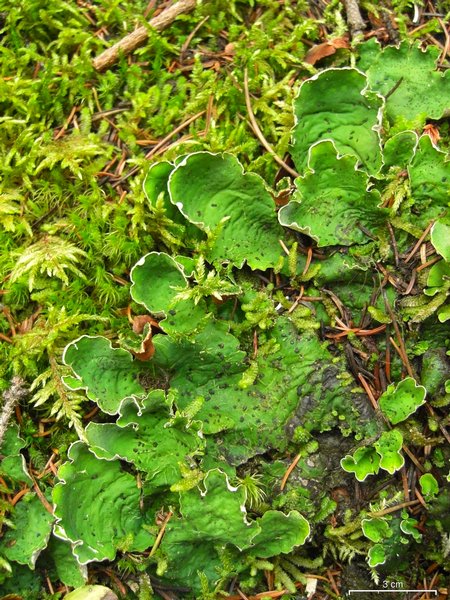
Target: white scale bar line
x=398, y=591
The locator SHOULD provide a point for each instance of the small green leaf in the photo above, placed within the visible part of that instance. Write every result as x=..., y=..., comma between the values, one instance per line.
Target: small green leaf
x=365, y=461
x=444, y=313
x=69, y=571
x=438, y=278
x=97, y=507
x=155, y=187
x=376, y=530
x=429, y=174
x=157, y=281
x=336, y=105
x=235, y=208
x=332, y=200
x=143, y=436
x=279, y=534
x=379, y=315
x=210, y=518
x=13, y=465
x=32, y=527
x=399, y=150
x=376, y=555
x=440, y=238
x=216, y=513
x=429, y=486
x=409, y=526
x=109, y=375
x=400, y=401
x=407, y=76
x=91, y=592
x=388, y=447
x=435, y=370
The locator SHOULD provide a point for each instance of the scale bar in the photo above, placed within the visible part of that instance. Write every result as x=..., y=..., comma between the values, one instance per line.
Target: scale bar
x=398, y=591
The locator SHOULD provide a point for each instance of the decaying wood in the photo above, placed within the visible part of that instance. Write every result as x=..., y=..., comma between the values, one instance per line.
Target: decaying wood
x=133, y=40
x=354, y=19
x=11, y=397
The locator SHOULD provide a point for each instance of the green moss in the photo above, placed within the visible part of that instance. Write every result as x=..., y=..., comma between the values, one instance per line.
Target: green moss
x=75, y=219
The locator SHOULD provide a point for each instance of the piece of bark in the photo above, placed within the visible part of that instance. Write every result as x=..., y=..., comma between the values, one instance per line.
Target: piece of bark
x=354, y=19
x=11, y=397
x=325, y=49
x=133, y=40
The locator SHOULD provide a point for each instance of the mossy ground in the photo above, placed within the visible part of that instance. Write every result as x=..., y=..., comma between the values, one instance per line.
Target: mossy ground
x=76, y=145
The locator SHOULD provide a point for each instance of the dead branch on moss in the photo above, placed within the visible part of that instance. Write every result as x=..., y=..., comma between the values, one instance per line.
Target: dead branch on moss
x=259, y=133
x=133, y=40
x=355, y=21
x=11, y=397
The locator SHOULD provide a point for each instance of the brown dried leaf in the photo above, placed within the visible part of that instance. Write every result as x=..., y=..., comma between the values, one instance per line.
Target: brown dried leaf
x=433, y=132
x=326, y=49
x=27, y=324
x=229, y=49
x=139, y=322
x=147, y=349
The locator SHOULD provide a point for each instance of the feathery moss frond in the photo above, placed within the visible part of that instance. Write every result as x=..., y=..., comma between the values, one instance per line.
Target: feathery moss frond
x=51, y=256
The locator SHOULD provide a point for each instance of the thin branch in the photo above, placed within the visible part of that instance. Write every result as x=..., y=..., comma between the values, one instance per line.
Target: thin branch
x=170, y=135
x=355, y=21
x=391, y=509
x=155, y=150
x=401, y=344
x=190, y=37
x=11, y=397
x=447, y=42
x=289, y=471
x=369, y=392
x=419, y=241
x=259, y=133
x=133, y=40
x=161, y=533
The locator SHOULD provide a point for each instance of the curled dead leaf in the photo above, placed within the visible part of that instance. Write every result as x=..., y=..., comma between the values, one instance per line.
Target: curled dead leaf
x=229, y=49
x=139, y=322
x=433, y=132
x=328, y=48
x=145, y=324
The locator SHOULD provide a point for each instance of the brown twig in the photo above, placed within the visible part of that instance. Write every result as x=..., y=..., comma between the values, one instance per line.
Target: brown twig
x=391, y=509
x=259, y=133
x=354, y=19
x=420, y=498
x=368, y=392
x=289, y=471
x=45, y=503
x=189, y=38
x=428, y=263
x=333, y=583
x=394, y=243
x=161, y=533
x=413, y=458
x=441, y=427
x=11, y=397
x=133, y=40
x=419, y=241
x=401, y=344
x=405, y=484
x=180, y=127
x=19, y=495
x=308, y=261
x=447, y=42
x=161, y=144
